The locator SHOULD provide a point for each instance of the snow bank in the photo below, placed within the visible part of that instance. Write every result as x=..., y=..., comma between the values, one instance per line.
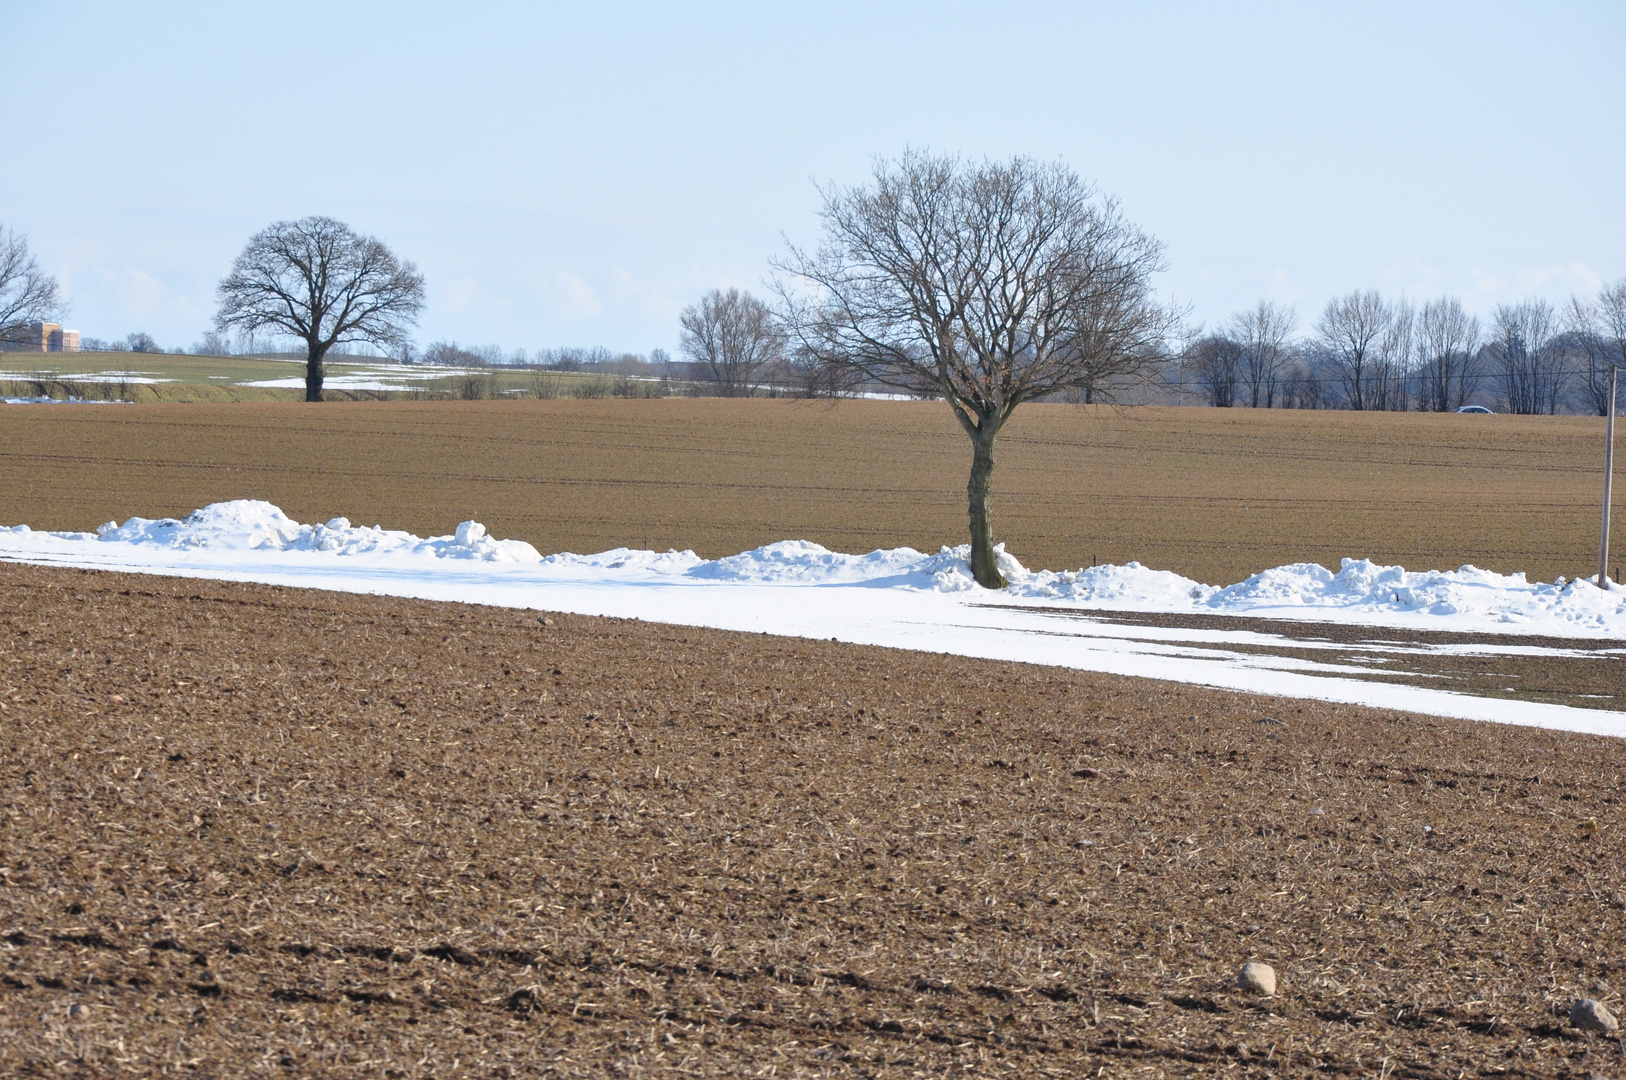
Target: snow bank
x=1361, y=591
x=628, y=561
x=801, y=562
x=255, y=525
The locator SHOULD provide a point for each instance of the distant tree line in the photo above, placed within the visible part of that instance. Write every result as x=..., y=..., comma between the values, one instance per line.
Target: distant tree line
x=595, y=358
x=1368, y=352
x=318, y=285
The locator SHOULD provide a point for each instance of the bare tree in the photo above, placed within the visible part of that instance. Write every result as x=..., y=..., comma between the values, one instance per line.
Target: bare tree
x=1447, y=350
x=1612, y=317
x=1391, y=374
x=1526, y=362
x=214, y=343
x=1598, y=331
x=1262, y=335
x=989, y=284
x=814, y=378
x=27, y=294
x=1352, y=329
x=732, y=336
x=1611, y=310
x=1582, y=341
x=1302, y=385
x=449, y=354
x=1216, y=364
x=320, y=281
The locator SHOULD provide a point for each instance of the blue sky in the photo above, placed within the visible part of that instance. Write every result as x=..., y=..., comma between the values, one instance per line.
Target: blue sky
x=576, y=174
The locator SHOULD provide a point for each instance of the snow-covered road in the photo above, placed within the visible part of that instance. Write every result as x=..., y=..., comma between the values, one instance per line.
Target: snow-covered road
x=905, y=599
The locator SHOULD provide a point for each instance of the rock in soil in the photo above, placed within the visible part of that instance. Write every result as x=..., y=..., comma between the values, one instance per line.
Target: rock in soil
x=1590, y=1014
x=1257, y=979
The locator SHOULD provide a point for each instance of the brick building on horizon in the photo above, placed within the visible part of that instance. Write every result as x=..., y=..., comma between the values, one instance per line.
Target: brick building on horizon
x=41, y=337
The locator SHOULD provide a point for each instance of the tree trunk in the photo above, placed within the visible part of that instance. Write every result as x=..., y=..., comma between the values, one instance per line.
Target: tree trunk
x=983, y=565
x=313, y=371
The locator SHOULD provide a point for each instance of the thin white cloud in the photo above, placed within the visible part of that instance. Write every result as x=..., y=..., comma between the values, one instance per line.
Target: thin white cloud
x=1551, y=282
x=567, y=296
x=657, y=299
x=134, y=298
x=469, y=296
x=139, y=292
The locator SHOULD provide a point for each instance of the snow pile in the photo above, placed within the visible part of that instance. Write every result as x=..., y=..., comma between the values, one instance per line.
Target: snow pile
x=256, y=525
x=627, y=561
x=801, y=562
x=1361, y=591
x=1361, y=585
x=1131, y=586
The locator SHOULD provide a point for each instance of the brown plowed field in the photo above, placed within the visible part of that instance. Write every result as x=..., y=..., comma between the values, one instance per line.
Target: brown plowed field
x=1212, y=493
x=254, y=831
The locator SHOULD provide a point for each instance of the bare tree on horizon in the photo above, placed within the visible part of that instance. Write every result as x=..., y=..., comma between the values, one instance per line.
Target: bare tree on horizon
x=1448, y=348
x=732, y=336
x=318, y=280
x=1352, y=329
x=1262, y=334
x=1598, y=330
x=990, y=284
x=27, y=294
x=1217, y=363
x=1528, y=366
x=1391, y=373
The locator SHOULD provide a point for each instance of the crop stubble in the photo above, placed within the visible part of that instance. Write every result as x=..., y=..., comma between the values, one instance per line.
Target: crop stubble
x=251, y=830
x=1212, y=493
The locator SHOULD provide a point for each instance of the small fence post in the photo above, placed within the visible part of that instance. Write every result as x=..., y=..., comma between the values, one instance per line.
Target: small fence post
x=1608, y=476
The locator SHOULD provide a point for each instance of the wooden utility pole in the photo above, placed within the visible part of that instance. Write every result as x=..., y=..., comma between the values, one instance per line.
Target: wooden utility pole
x=1608, y=475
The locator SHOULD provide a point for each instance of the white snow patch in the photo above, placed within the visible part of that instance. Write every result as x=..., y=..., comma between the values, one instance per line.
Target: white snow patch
x=56, y=401
x=132, y=377
x=375, y=377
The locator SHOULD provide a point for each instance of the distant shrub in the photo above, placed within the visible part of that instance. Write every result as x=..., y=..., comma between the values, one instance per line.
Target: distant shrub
x=477, y=387
x=627, y=386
